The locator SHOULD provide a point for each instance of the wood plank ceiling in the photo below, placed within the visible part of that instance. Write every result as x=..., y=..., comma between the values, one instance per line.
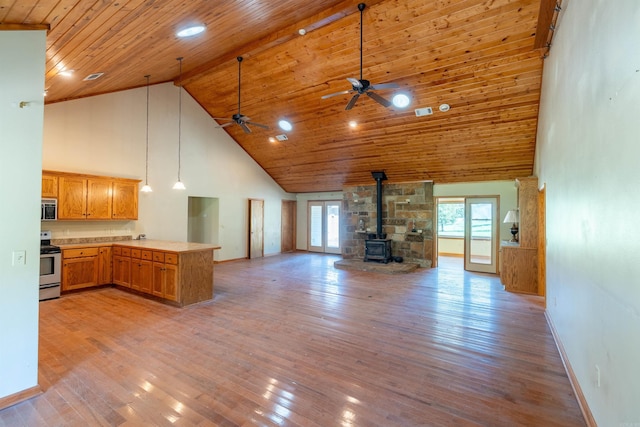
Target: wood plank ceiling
x=478, y=56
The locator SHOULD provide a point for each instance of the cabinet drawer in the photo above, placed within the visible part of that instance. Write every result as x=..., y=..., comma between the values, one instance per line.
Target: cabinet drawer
x=136, y=253
x=171, y=258
x=158, y=256
x=126, y=251
x=81, y=252
x=117, y=250
x=148, y=255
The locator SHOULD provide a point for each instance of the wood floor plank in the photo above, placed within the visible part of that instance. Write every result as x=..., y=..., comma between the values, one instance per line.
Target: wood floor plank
x=291, y=341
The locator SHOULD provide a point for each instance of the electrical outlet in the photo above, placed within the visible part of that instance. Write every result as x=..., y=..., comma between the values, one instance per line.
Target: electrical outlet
x=19, y=258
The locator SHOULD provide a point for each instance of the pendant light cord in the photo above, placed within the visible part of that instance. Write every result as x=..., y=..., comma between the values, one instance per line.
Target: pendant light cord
x=179, y=116
x=146, y=174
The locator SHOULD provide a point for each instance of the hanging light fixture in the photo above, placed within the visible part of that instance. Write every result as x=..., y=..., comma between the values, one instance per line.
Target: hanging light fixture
x=146, y=188
x=179, y=185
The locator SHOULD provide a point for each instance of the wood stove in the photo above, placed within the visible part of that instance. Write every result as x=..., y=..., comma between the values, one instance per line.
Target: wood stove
x=377, y=247
x=377, y=250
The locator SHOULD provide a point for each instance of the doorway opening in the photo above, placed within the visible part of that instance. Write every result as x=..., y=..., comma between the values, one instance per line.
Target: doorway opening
x=324, y=226
x=204, y=220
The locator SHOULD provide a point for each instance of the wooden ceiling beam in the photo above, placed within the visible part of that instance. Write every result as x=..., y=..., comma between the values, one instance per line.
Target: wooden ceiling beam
x=319, y=20
x=544, y=31
x=24, y=27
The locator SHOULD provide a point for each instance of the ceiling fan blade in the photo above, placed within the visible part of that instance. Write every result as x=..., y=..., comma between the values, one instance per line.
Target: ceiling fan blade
x=385, y=86
x=378, y=99
x=224, y=125
x=227, y=119
x=257, y=124
x=354, y=82
x=245, y=127
x=344, y=92
x=352, y=102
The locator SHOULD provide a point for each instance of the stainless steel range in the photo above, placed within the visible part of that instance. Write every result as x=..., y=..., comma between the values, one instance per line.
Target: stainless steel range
x=50, y=267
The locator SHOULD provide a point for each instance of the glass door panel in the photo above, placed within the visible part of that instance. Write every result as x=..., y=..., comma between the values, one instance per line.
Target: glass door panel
x=481, y=225
x=324, y=227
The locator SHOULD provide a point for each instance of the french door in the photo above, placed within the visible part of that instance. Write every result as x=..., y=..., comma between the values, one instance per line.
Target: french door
x=324, y=226
x=481, y=234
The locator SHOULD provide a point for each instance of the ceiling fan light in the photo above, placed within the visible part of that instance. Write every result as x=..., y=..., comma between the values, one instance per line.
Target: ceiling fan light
x=401, y=100
x=285, y=125
x=190, y=31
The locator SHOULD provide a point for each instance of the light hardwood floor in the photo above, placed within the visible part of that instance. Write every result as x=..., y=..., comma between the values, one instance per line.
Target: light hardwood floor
x=291, y=341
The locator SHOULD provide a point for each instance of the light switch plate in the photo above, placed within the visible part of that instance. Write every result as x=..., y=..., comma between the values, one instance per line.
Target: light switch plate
x=19, y=258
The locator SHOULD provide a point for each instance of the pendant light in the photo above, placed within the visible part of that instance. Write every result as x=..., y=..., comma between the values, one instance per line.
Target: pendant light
x=179, y=185
x=146, y=188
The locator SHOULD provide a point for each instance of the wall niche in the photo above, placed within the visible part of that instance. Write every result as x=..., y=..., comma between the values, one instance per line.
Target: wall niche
x=407, y=218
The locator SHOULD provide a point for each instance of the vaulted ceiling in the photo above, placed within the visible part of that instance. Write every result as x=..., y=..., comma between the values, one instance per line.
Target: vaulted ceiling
x=481, y=57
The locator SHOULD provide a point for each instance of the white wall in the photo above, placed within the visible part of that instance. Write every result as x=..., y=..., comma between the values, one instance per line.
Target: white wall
x=105, y=135
x=21, y=79
x=506, y=190
x=588, y=153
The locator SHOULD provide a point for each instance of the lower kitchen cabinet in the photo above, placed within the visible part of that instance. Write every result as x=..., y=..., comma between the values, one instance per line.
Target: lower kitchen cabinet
x=105, y=266
x=122, y=266
x=80, y=268
x=165, y=275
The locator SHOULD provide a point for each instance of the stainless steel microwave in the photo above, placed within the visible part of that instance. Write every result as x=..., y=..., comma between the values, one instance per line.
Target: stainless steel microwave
x=49, y=211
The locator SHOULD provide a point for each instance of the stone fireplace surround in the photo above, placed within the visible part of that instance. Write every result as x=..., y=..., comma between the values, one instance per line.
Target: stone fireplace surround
x=405, y=207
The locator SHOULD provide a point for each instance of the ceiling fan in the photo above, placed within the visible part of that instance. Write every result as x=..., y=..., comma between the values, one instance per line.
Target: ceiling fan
x=362, y=86
x=238, y=118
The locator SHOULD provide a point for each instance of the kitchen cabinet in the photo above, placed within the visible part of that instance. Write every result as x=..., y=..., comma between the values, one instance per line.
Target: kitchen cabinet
x=92, y=197
x=84, y=198
x=49, y=186
x=105, y=266
x=122, y=266
x=165, y=275
x=80, y=268
x=125, y=200
x=141, y=270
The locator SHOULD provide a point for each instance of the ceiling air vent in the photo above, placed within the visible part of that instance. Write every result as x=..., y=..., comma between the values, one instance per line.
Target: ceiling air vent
x=426, y=111
x=282, y=137
x=93, y=76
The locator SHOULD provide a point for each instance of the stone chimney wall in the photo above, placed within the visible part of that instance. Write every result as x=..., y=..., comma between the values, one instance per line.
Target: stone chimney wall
x=407, y=218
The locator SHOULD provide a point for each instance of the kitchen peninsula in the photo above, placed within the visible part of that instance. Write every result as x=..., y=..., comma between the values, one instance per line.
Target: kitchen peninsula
x=179, y=273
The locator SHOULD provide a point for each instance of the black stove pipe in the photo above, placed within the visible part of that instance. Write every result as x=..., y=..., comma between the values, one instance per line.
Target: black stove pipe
x=379, y=176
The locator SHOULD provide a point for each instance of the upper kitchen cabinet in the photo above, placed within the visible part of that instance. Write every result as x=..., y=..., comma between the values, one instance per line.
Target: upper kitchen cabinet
x=125, y=199
x=88, y=197
x=49, y=186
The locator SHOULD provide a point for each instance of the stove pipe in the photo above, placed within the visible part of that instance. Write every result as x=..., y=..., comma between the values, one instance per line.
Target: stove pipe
x=379, y=177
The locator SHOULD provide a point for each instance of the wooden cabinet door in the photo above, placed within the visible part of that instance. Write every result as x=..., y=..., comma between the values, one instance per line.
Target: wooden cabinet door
x=99, y=198
x=141, y=275
x=122, y=270
x=157, y=287
x=104, y=266
x=79, y=273
x=49, y=186
x=125, y=200
x=171, y=282
x=72, y=198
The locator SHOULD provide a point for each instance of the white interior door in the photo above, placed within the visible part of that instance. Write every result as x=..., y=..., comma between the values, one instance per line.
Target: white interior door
x=324, y=226
x=481, y=234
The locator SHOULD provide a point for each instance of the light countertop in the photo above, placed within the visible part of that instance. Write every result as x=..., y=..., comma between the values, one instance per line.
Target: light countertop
x=161, y=245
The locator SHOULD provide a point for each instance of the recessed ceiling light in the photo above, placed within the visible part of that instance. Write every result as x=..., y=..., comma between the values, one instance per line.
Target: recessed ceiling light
x=444, y=108
x=302, y=31
x=190, y=31
x=272, y=139
x=353, y=124
x=401, y=100
x=285, y=125
x=66, y=73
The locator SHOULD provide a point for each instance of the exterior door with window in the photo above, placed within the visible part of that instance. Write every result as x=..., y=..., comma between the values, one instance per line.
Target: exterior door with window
x=481, y=234
x=324, y=226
